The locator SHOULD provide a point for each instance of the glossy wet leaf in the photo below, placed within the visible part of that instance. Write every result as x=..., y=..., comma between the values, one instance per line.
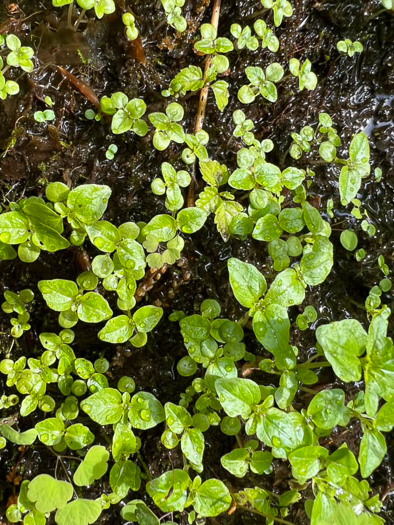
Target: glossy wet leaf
x=267, y=228
x=177, y=418
x=379, y=372
x=221, y=92
x=50, y=430
x=238, y=396
x=169, y=491
x=103, y=235
x=146, y=411
x=14, y=228
x=131, y=255
x=212, y=498
x=192, y=445
x=59, y=294
x=89, y=202
x=124, y=441
x=341, y=464
x=385, y=417
x=349, y=240
x=271, y=326
x=161, y=227
x=117, y=330
x=7, y=252
x=260, y=461
x=104, y=407
x=247, y=283
x=327, y=409
x=236, y=462
x=136, y=510
x=124, y=476
x=191, y=220
x=372, y=451
x=286, y=290
x=93, y=308
x=343, y=342
x=147, y=317
x=312, y=218
x=317, y=261
x=283, y=431
x=224, y=216
x=78, y=436
x=306, y=462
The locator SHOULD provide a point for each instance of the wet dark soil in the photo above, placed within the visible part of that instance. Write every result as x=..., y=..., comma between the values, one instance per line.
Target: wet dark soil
x=357, y=92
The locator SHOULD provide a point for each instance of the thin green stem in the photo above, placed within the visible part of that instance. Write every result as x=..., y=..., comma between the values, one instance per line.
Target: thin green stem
x=140, y=458
x=243, y=321
x=70, y=15
x=79, y=20
x=307, y=390
x=377, y=14
x=239, y=441
x=275, y=518
x=59, y=459
x=256, y=14
x=320, y=364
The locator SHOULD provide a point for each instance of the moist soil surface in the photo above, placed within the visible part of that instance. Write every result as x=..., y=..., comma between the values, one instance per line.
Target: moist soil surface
x=357, y=92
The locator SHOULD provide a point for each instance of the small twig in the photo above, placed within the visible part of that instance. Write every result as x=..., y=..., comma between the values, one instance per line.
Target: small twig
x=151, y=277
x=81, y=86
x=203, y=100
x=239, y=441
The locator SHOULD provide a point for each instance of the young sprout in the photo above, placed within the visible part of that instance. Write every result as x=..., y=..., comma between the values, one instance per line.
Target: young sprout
x=349, y=48
x=266, y=35
x=301, y=142
x=111, y=151
x=90, y=114
x=307, y=79
x=196, y=147
x=101, y=7
x=171, y=186
x=243, y=127
x=210, y=44
x=126, y=115
x=174, y=16
x=44, y=116
x=167, y=127
x=16, y=303
x=48, y=101
x=17, y=56
x=7, y=87
x=244, y=37
x=129, y=21
x=261, y=83
x=188, y=79
x=281, y=8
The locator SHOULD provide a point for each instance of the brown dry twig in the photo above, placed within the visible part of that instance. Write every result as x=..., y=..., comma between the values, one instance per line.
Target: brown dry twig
x=81, y=86
x=151, y=277
x=203, y=100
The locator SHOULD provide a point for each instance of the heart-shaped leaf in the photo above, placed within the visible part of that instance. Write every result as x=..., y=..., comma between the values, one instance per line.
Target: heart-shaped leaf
x=48, y=493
